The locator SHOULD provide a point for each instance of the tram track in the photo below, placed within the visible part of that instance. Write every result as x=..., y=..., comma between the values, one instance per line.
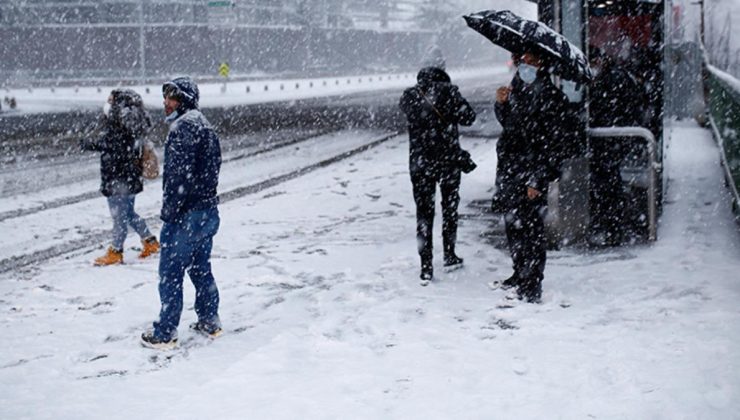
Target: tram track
x=84, y=242
x=89, y=195
x=31, y=242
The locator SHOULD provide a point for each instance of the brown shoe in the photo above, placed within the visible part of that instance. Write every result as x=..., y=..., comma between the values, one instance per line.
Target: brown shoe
x=150, y=246
x=111, y=257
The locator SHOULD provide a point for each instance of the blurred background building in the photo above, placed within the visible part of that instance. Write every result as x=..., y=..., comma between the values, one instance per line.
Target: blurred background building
x=366, y=14
x=79, y=40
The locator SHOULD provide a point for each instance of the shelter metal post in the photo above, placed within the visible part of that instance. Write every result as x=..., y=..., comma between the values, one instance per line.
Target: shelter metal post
x=638, y=133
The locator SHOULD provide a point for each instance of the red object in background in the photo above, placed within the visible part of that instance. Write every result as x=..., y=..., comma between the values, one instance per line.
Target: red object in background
x=617, y=35
x=677, y=13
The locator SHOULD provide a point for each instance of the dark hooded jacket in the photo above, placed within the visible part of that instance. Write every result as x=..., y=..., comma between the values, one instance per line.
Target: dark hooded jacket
x=615, y=98
x=434, y=108
x=192, y=156
x=536, y=129
x=119, y=145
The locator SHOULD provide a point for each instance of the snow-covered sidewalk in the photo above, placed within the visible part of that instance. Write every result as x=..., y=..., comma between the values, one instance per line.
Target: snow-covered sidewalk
x=325, y=318
x=41, y=230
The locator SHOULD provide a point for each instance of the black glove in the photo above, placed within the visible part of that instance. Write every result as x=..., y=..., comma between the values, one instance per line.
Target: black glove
x=465, y=162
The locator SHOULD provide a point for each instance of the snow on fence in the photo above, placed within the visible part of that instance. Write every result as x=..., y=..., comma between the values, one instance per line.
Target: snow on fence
x=724, y=113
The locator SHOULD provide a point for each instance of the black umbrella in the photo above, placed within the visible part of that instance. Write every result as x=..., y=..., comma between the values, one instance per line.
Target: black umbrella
x=520, y=35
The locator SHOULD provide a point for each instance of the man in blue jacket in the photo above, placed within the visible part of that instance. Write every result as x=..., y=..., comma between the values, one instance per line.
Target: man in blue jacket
x=192, y=161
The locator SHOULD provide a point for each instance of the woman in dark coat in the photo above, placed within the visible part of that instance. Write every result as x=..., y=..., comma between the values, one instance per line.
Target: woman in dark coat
x=120, y=146
x=615, y=100
x=535, y=119
x=434, y=108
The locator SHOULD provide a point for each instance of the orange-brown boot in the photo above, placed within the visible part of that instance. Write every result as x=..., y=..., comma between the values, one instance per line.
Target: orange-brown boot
x=150, y=246
x=111, y=257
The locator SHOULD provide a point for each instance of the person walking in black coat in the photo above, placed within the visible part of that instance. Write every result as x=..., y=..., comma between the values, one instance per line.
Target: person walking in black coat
x=434, y=108
x=534, y=115
x=615, y=101
x=124, y=124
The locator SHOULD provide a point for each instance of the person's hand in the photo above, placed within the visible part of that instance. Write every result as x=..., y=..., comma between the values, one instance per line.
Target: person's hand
x=532, y=193
x=502, y=94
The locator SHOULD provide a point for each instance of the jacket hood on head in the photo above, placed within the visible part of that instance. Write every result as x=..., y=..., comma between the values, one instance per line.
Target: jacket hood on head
x=187, y=91
x=429, y=75
x=127, y=111
x=126, y=98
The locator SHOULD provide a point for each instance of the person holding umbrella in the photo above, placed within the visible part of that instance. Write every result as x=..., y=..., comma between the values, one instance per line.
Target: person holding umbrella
x=531, y=111
x=434, y=108
x=537, y=126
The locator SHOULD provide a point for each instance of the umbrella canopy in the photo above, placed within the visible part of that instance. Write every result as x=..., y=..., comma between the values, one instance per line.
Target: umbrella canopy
x=520, y=35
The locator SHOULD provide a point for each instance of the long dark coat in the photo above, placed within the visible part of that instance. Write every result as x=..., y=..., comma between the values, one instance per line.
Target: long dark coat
x=615, y=100
x=120, y=150
x=537, y=127
x=434, y=108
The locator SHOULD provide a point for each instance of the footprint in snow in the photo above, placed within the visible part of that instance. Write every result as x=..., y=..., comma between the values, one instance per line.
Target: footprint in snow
x=519, y=367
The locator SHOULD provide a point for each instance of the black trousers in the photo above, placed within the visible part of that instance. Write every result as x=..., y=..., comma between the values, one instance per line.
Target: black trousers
x=525, y=232
x=424, y=185
x=607, y=202
x=606, y=195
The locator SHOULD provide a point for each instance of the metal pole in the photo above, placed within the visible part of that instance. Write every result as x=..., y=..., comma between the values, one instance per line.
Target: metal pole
x=702, y=30
x=142, y=43
x=705, y=54
x=644, y=133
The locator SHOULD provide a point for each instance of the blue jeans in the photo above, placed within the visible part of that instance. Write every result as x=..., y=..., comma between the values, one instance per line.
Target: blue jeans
x=122, y=211
x=186, y=245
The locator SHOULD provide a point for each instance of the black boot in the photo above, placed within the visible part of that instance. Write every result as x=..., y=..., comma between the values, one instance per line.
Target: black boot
x=511, y=282
x=530, y=290
x=507, y=284
x=427, y=270
x=426, y=274
x=452, y=261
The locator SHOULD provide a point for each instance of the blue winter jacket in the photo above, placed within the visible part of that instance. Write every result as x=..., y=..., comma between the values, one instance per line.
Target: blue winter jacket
x=192, y=161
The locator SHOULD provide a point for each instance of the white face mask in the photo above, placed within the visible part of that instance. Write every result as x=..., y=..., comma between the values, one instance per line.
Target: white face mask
x=595, y=71
x=172, y=117
x=527, y=73
x=106, y=109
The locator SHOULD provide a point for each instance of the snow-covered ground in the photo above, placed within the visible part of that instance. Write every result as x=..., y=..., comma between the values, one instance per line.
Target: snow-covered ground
x=325, y=318
x=41, y=230
x=62, y=99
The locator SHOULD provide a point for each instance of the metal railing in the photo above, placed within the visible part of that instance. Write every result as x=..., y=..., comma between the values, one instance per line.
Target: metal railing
x=723, y=103
x=644, y=134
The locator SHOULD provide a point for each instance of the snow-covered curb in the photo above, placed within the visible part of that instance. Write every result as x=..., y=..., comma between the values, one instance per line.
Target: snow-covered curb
x=214, y=95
